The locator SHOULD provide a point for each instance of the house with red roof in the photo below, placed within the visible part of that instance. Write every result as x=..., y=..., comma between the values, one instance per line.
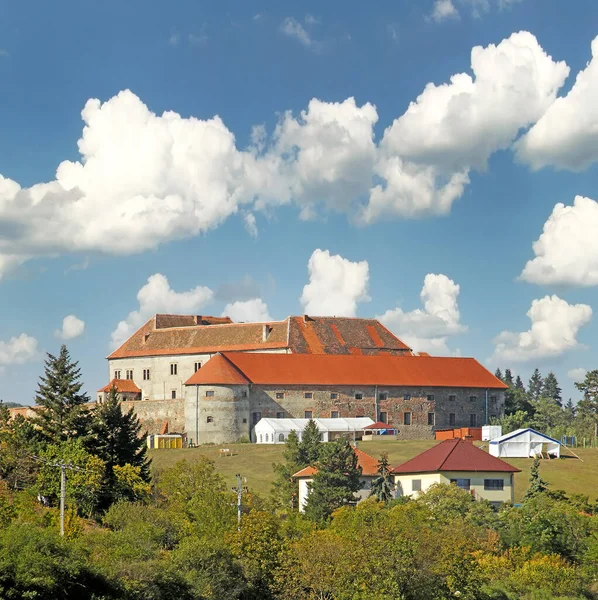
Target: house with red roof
x=461, y=463
x=369, y=471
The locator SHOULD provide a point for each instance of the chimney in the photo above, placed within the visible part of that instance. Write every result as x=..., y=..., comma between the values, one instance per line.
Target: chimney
x=266, y=329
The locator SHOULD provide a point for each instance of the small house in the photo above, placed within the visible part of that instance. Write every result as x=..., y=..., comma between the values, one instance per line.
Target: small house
x=461, y=463
x=126, y=389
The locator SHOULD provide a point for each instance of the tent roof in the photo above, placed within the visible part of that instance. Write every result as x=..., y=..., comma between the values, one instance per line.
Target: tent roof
x=340, y=424
x=519, y=432
x=379, y=425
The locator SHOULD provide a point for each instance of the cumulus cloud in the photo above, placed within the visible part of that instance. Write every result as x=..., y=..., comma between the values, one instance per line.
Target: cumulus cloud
x=566, y=136
x=428, y=329
x=444, y=9
x=18, y=350
x=250, y=224
x=567, y=250
x=578, y=374
x=248, y=311
x=156, y=296
x=336, y=285
x=293, y=29
x=554, y=328
x=72, y=327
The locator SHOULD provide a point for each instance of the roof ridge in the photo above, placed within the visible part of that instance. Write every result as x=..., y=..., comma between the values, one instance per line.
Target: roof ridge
x=456, y=443
x=230, y=362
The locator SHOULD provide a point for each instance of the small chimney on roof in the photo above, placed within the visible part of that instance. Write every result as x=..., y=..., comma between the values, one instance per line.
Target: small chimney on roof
x=307, y=318
x=266, y=329
x=197, y=319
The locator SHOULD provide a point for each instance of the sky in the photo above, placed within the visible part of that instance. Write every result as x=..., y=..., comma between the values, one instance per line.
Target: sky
x=432, y=164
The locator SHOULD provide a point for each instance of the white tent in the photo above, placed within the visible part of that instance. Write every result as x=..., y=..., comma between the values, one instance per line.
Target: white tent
x=276, y=431
x=524, y=443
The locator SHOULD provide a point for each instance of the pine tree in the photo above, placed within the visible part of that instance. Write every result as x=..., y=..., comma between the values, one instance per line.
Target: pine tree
x=535, y=385
x=536, y=484
x=498, y=374
x=519, y=383
x=589, y=405
x=62, y=414
x=570, y=409
x=508, y=377
x=383, y=484
x=551, y=389
x=309, y=447
x=285, y=489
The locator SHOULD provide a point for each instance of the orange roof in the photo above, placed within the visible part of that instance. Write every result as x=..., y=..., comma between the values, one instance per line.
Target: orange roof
x=324, y=369
x=219, y=369
x=369, y=465
x=122, y=385
x=454, y=455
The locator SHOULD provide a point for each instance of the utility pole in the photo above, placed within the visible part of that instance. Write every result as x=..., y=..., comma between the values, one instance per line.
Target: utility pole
x=62, y=496
x=239, y=489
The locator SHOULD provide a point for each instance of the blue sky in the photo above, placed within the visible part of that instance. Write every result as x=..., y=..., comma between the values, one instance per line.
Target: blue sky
x=424, y=216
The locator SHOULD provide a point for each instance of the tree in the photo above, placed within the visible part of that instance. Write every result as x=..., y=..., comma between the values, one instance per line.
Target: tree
x=62, y=414
x=535, y=385
x=285, y=489
x=383, y=484
x=309, y=447
x=519, y=383
x=498, y=374
x=508, y=377
x=588, y=407
x=551, y=389
x=570, y=409
x=536, y=484
x=335, y=482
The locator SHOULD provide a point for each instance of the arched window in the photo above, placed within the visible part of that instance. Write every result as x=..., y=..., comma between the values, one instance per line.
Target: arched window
x=266, y=435
x=261, y=438
x=281, y=437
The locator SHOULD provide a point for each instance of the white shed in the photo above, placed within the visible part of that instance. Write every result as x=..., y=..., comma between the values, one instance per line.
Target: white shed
x=276, y=431
x=524, y=443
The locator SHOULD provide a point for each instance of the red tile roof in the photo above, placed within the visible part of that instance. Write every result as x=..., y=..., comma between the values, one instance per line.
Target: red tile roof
x=122, y=385
x=454, y=455
x=218, y=370
x=369, y=466
x=319, y=369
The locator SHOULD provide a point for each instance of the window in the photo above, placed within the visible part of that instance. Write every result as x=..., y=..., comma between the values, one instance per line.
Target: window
x=244, y=420
x=334, y=414
x=493, y=399
x=383, y=417
x=243, y=394
x=280, y=395
x=129, y=373
x=209, y=393
x=407, y=397
x=407, y=418
x=308, y=395
x=333, y=396
x=308, y=414
x=452, y=398
x=116, y=374
x=451, y=418
x=358, y=396
x=280, y=415
x=416, y=485
x=494, y=484
x=266, y=439
x=464, y=484
x=210, y=420
x=197, y=366
x=382, y=396
x=173, y=394
x=430, y=397
x=146, y=374
x=473, y=420
x=281, y=437
x=431, y=419
x=473, y=398
x=261, y=439
x=174, y=369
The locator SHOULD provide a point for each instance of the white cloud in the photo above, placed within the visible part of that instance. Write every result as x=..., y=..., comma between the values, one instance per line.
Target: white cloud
x=18, y=350
x=566, y=136
x=427, y=330
x=336, y=285
x=311, y=20
x=156, y=296
x=248, y=311
x=174, y=39
x=566, y=252
x=292, y=28
x=578, y=374
x=72, y=327
x=554, y=329
x=250, y=224
x=444, y=9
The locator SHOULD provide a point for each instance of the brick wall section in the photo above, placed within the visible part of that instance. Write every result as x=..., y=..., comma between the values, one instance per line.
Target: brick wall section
x=153, y=413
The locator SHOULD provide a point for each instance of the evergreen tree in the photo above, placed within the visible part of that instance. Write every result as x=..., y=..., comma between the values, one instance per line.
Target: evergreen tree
x=383, y=484
x=535, y=385
x=498, y=374
x=285, y=489
x=519, y=383
x=116, y=438
x=309, y=447
x=536, y=484
x=336, y=481
x=570, y=409
x=508, y=377
x=551, y=389
x=588, y=407
x=62, y=414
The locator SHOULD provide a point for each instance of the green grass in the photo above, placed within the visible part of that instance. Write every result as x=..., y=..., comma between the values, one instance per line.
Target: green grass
x=254, y=461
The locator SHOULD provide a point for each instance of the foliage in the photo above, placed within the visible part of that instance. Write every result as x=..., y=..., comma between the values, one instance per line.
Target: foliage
x=535, y=385
x=536, y=484
x=382, y=486
x=551, y=389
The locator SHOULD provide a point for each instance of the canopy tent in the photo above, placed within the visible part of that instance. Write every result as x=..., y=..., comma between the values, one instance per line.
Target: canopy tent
x=524, y=443
x=276, y=431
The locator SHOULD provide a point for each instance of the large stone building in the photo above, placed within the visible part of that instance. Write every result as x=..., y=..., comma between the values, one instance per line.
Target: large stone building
x=213, y=379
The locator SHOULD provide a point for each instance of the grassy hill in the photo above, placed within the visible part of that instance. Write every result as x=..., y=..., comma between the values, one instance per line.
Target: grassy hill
x=254, y=461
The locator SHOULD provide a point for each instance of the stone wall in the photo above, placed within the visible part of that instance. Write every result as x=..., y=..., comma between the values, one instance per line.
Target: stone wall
x=153, y=413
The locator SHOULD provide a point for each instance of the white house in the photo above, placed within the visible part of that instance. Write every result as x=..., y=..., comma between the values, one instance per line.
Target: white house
x=276, y=431
x=524, y=443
